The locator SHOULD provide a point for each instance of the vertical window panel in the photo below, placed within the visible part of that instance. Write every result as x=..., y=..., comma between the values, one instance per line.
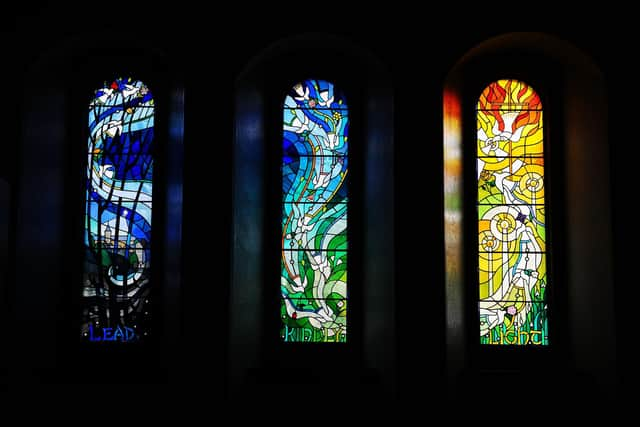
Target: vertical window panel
x=511, y=216
x=117, y=221
x=313, y=280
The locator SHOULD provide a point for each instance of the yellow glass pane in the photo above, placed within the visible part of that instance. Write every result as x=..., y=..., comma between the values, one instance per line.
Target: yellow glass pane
x=511, y=215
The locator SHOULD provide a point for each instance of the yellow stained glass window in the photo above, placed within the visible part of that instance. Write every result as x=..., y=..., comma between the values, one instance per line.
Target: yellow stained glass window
x=511, y=216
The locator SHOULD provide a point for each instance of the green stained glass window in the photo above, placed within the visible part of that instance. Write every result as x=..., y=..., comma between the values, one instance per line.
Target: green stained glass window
x=314, y=250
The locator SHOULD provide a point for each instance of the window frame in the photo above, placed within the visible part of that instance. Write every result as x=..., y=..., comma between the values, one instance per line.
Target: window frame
x=89, y=71
x=256, y=348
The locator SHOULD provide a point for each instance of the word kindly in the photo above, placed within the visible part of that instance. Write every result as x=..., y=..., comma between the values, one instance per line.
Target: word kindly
x=290, y=334
x=119, y=333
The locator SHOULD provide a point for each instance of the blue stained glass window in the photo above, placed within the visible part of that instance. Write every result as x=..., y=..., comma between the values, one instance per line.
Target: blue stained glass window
x=313, y=280
x=117, y=221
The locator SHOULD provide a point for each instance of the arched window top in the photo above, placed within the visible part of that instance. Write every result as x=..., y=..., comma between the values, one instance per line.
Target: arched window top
x=316, y=94
x=121, y=91
x=509, y=95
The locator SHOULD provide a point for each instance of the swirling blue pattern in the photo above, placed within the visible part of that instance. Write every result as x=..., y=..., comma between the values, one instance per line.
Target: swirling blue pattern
x=314, y=215
x=117, y=234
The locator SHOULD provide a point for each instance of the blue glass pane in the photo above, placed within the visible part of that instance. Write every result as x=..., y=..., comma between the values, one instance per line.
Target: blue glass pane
x=117, y=219
x=313, y=278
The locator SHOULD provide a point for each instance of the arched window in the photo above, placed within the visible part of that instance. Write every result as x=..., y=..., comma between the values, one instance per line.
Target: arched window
x=511, y=215
x=296, y=194
x=117, y=221
x=67, y=109
x=314, y=220
x=526, y=198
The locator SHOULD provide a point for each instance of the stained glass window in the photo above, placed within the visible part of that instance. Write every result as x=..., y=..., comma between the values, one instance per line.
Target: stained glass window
x=313, y=280
x=511, y=216
x=117, y=221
